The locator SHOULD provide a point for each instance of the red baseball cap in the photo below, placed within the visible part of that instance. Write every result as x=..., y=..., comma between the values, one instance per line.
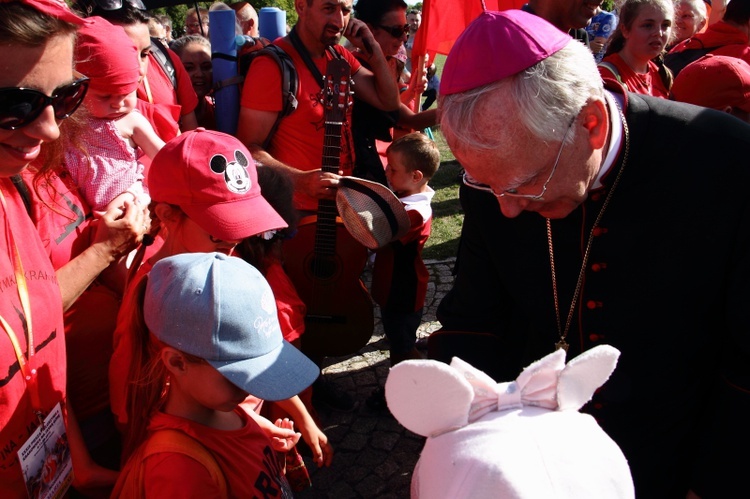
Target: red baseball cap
x=714, y=81
x=211, y=176
x=497, y=45
x=53, y=8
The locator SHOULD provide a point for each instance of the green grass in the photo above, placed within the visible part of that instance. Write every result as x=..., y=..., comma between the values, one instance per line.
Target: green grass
x=447, y=216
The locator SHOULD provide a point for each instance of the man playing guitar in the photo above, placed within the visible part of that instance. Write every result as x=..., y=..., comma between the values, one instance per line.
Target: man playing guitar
x=297, y=145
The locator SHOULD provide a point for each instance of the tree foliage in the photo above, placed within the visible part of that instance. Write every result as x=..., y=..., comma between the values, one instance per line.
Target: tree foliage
x=286, y=5
x=177, y=12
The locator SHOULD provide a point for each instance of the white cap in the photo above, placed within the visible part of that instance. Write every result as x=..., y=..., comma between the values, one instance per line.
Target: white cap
x=522, y=439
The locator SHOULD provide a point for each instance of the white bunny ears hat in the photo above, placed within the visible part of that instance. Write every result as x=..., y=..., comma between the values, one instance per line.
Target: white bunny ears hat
x=521, y=439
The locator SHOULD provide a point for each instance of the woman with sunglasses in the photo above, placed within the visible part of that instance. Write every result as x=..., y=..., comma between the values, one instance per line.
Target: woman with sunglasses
x=46, y=220
x=373, y=129
x=38, y=89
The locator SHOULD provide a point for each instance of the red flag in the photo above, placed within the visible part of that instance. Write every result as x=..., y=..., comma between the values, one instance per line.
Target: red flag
x=444, y=20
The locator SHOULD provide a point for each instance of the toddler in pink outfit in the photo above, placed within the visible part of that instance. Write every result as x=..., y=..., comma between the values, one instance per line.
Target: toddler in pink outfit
x=106, y=168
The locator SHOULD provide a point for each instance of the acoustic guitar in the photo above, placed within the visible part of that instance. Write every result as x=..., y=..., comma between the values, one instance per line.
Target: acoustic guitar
x=323, y=260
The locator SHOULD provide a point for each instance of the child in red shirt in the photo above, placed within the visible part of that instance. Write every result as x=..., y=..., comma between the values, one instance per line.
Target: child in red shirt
x=400, y=277
x=208, y=335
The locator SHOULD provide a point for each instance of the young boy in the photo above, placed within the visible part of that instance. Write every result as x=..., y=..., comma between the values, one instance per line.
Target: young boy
x=399, y=280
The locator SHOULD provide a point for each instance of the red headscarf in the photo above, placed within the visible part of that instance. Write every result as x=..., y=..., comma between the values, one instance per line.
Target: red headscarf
x=107, y=55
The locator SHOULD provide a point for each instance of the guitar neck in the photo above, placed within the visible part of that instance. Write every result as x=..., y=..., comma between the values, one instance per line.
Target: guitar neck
x=332, y=146
x=325, y=236
x=336, y=98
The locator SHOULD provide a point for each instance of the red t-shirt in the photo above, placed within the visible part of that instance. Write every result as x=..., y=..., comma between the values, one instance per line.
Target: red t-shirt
x=66, y=227
x=250, y=465
x=647, y=84
x=291, y=308
x=17, y=418
x=163, y=97
x=400, y=277
x=298, y=141
x=207, y=119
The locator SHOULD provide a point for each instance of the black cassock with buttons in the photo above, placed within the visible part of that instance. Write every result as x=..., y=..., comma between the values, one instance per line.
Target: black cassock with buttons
x=667, y=282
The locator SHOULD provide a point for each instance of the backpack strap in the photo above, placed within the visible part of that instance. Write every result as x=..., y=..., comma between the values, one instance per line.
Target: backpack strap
x=612, y=69
x=302, y=51
x=289, y=85
x=289, y=80
x=245, y=54
x=131, y=481
x=161, y=55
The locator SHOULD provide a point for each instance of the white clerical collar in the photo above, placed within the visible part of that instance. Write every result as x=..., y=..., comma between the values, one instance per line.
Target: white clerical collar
x=615, y=141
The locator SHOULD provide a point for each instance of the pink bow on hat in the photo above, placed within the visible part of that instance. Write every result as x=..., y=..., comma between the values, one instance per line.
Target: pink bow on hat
x=538, y=385
x=536, y=388
x=547, y=383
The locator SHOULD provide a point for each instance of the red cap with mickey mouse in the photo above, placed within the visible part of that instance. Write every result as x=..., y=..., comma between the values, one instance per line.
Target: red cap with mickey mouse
x=212, y=177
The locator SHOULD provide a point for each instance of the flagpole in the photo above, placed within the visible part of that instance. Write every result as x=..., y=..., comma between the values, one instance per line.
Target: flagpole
x=417, y=75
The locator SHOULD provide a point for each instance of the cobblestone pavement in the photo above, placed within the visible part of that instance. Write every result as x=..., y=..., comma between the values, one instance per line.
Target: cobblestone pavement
x=373, y=454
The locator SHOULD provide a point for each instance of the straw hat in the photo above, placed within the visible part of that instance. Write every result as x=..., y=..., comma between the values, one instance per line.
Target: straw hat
x=371, y=212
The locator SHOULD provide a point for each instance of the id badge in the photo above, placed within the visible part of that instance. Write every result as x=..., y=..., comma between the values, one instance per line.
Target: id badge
x=45, y=458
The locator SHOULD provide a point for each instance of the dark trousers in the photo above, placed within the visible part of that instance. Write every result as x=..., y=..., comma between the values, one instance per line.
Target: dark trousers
x=430, y=96
x=401, y=329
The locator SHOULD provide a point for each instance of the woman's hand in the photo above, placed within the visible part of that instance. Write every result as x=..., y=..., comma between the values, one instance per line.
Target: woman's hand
x=121, y=230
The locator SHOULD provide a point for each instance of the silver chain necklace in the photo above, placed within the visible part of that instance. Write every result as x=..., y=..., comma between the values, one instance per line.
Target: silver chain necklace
x=563, y=333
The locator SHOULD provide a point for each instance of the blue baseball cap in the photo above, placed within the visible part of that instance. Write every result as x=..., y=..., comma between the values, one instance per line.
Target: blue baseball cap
x=221, y=309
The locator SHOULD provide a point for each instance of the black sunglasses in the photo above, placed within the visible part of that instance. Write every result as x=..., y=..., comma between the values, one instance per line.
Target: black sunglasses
x=395, y=31
x=89, y=5
x=21, y=106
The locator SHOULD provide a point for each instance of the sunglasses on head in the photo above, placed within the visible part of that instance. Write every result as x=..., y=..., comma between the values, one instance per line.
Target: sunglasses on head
x=90, y=5
x=396, y=31
x=21, y=106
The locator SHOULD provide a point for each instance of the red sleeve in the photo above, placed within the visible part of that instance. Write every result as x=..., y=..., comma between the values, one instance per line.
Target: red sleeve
x=262, y=87
x=174, y=475
x=163, y=117
x=291, y=309
x=185, y=94
x=415, y=231
x=353, y=61
x=606, y=73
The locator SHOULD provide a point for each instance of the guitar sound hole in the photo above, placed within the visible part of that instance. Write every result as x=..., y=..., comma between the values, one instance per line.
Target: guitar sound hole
x=323, y=268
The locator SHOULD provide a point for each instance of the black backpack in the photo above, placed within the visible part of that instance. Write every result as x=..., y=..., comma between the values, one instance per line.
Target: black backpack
x=289, y=79
x=678, y=60
x=164, y=60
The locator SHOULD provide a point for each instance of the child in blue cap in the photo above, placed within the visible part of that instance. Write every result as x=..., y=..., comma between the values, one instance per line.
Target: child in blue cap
x=208, y=336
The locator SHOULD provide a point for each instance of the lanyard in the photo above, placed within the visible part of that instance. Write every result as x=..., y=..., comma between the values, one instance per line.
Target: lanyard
x=147, y=87
x=29, y=373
